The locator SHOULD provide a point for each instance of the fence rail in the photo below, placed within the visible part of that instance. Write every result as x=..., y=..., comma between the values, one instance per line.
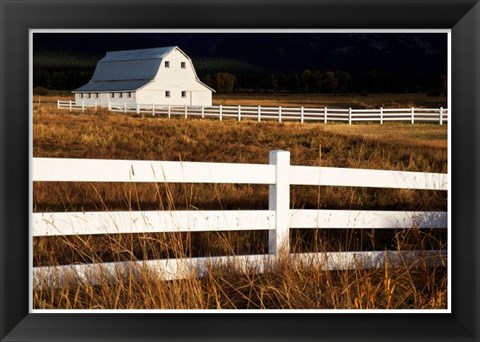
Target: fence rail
x=277, y=220
x=260, y=113
x=127, y=222
x=171, y=269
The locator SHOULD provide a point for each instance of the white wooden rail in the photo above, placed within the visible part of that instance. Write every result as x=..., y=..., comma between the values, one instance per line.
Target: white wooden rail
x=280, y=113
x=171, y=269
x=105, y=170
x=104, y=222
x=278, y=219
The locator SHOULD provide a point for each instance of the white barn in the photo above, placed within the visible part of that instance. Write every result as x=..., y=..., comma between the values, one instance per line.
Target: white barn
x=161, y=76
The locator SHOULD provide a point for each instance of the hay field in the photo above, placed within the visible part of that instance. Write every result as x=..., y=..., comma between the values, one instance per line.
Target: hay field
x=423, y=147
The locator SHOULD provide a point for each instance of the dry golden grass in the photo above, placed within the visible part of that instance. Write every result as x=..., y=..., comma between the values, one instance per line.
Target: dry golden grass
x=125, y=137
x=333, y=100
x=425, y=135
x=284, y=286
x=73, y=134
x=59, y=133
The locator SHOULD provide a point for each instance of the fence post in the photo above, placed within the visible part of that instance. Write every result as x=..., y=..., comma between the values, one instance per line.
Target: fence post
x=83, y=106
x=186, y=112
x=153, y=109
x=138, y=109
x=325, y=115
x=220, y=112
x=109, y=105
x=70, y=106
x=279, y=200
x=58, y=103
x=280, y=114
x=381, y=115
x=96, y=105
x=441, y=115
x=349, y=116
x=203, y=112
x=239, y=113
x=301, y=115
x=259, y=113
x=169, y=110
x=413, y=115
x=125, y=108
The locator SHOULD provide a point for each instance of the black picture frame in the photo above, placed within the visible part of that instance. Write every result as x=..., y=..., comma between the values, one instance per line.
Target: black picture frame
x=17, y=17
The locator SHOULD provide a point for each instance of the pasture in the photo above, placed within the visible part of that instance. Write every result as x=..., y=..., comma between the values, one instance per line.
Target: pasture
x=375, y=100
x=333, y=100
x=104, y=135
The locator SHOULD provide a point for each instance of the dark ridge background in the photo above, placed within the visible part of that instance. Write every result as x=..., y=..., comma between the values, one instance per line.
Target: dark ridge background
x=290, y=62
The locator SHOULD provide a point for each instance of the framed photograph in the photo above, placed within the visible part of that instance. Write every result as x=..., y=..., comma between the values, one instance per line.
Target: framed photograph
x=179, y=88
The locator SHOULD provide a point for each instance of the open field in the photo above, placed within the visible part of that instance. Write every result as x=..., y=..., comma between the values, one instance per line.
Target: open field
x=423, y=147
x=307, y=100
x=396, y=147
x=333, y=100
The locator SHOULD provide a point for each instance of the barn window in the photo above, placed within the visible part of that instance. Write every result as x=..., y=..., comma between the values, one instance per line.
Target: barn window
x=87, y=96
x=182, y=65
x=129, y=95
x=167, y=93
x=112, y=95
x=184, y=93
x=167, y=64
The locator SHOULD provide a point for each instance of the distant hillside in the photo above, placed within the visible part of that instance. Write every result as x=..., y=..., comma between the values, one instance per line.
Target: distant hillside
x=64, y=60
x=269, y=61
x=69, y=71
x=288, y=52
x=214, y=65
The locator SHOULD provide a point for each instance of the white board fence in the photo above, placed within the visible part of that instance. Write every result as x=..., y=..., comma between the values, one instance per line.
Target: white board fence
x=278, y=219
x=262, y=113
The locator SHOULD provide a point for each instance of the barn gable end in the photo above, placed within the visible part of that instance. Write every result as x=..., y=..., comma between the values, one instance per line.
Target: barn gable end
x=163, y=75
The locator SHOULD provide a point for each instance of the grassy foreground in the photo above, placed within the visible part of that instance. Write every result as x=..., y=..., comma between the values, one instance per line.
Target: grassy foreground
x=102, y=135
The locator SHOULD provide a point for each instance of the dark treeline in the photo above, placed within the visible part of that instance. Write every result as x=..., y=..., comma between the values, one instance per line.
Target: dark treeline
x=60, y=79
x=315, y=81
x=62, y=71
x=226, y=75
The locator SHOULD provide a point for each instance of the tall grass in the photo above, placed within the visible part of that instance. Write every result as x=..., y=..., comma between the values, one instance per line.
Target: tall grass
x=286, y=285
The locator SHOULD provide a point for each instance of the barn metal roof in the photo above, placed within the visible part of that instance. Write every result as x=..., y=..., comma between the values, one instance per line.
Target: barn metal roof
x=126, y=70
x=131, y=55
